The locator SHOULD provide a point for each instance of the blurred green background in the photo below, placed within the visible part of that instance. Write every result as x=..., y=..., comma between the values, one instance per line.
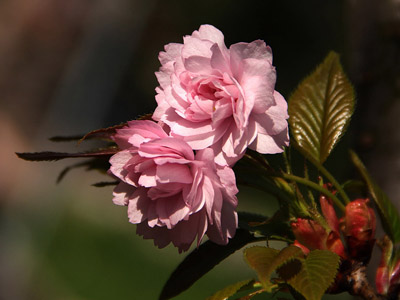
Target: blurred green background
x=68, y=67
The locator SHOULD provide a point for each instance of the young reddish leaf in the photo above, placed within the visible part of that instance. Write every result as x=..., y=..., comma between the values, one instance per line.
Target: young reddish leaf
x=106, y=133
x=98, y=163
x=266, y=260
x=232, y=289
x=320, y=109
x=53, y=156
x=104, y=183
x=202, y=260
x=317, y=274
x=388, y=212
x=145, y=117
x=59, y=138
x=103, y=133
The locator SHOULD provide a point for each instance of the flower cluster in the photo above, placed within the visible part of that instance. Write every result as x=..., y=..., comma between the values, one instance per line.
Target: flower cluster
x=213, y=103
x=357, y=225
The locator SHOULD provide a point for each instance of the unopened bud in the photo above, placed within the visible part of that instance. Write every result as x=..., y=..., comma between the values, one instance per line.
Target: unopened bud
x=358, y=226
x=310, y=235
x=329, y=213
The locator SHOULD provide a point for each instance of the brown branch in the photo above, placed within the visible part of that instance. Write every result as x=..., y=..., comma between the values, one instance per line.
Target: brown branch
x=359, y=285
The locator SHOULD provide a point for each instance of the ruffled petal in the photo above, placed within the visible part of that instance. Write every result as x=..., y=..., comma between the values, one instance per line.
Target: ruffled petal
x=138, y=206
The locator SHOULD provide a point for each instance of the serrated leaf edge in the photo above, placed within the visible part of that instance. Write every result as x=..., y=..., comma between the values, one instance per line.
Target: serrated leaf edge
x=315, y=144
x=304, y=266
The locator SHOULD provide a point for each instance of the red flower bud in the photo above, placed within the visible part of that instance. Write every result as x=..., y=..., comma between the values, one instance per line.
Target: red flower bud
x=358, y=226
x=329, y=213
x=335, y=244
x=310, y=235
x=303, y=248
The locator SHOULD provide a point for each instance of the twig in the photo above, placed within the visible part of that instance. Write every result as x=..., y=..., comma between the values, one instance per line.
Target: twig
x=359, y=285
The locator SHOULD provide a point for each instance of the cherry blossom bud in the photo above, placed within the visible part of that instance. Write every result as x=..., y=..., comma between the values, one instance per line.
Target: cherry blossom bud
x=329, y=213
x=335, y=244
x=310, y=235
x=358, y=226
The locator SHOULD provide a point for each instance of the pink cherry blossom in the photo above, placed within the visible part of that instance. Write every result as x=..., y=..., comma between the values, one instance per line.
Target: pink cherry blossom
x=212, y=96
x=172, y=194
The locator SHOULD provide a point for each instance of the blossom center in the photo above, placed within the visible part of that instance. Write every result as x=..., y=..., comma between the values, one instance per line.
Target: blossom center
x=209, y=96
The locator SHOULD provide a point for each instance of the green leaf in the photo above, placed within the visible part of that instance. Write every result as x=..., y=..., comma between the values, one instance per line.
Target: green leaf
x=388, y=212
x=260, y=259
x=317, y=274
x=289, y=269
x=266, y=260
x=320, y=109
x=232, y=289
x=202, y=260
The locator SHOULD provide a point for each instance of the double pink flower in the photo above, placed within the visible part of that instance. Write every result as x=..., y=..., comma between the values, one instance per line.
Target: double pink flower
x=171, y=193
x=225, y=99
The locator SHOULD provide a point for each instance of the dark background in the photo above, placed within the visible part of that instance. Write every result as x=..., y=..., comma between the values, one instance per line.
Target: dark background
x=68, y=67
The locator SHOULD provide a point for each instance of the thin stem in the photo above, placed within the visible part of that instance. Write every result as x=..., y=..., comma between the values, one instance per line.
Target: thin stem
x=310, y=194
x=316, y=187
x=258, y=160
x=307, y=182
x=277, y=192
x=332, y=180
x=286, y=159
